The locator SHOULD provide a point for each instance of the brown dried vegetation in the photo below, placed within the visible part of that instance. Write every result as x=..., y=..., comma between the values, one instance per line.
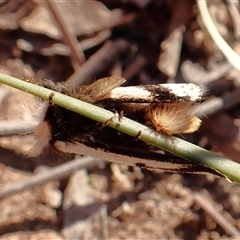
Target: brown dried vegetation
x=146, y=42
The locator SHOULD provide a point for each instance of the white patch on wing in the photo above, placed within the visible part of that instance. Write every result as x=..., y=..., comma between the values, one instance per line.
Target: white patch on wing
x=79, y=148
x=128, y=92
x=193, y=91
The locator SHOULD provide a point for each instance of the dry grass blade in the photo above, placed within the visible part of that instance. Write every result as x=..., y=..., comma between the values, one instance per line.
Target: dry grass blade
x=228, y=52
x=212, y=211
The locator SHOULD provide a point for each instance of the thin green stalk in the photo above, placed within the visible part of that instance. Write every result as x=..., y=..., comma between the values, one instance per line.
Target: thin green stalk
x=171, y=144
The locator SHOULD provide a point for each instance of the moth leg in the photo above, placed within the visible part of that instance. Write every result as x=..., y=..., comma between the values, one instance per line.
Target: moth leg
x=120, y=116
x=117, y=115
x=51, y=103
x=138, y=135
x=108, y=122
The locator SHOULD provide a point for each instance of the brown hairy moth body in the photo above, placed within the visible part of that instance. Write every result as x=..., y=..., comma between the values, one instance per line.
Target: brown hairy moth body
x=160, y=106
x=173, y=118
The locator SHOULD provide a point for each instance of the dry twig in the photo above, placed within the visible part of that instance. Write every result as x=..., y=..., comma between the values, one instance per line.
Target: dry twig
x=58, y=172
x=68, y=37
x=98, y=62
x=215, y=105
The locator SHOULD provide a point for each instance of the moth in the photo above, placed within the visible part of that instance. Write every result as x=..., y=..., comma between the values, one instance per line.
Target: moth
x=167, y=108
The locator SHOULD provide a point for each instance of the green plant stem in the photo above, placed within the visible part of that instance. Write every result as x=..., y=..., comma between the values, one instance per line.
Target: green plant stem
x=171, y=144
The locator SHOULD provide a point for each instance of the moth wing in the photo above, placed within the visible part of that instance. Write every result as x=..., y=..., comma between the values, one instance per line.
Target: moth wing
x=105, y=85
x=134, y=157
x=161, y=93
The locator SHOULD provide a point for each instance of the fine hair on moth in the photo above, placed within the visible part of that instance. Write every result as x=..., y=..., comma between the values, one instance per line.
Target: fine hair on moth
x=173, y=118
x=166, y=108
